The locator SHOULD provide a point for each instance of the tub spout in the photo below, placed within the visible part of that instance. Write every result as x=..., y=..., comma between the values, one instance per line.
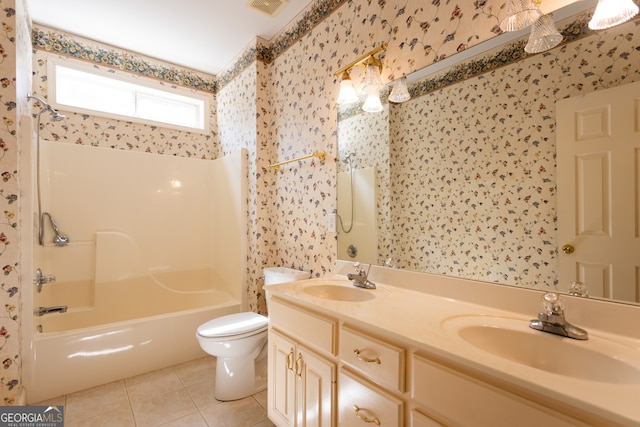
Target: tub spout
x=41, y=311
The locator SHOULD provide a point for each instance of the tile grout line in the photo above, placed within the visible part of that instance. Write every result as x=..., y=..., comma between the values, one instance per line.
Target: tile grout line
x=126, y=390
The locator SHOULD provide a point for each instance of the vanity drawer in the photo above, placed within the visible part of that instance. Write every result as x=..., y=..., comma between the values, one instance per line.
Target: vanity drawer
x=361, y=404
x=462, y=400
x=308, y=327
x=418, y=419
x=381, y=361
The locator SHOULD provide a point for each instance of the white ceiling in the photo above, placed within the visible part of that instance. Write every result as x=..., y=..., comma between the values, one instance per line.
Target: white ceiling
x=204, y=35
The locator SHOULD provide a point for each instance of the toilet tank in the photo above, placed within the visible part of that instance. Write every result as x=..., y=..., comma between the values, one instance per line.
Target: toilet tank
x=275, y=275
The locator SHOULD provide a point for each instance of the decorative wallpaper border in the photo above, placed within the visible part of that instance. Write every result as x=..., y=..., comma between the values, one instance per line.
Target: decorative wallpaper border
x=52, y=41
x=310, y=19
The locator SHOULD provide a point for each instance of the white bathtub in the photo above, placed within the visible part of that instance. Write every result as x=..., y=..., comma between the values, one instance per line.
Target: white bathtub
x=136, y=326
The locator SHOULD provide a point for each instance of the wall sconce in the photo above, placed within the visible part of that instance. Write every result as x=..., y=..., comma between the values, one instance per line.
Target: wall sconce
x=371, y=83
x=610, y=13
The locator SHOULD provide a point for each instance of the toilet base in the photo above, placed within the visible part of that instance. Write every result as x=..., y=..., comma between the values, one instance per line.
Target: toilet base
x=236, y=377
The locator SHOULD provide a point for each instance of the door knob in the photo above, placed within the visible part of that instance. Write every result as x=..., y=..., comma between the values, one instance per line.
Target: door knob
x=568, y=249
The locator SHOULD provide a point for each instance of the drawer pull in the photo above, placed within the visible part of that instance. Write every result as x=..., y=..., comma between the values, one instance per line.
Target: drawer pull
x=364, y=417
x=299, y=365
x=364, y=358
x=290, y=360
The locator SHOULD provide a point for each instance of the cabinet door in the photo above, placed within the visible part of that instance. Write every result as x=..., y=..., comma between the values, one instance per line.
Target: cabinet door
x=281, y=380
x=316, y=385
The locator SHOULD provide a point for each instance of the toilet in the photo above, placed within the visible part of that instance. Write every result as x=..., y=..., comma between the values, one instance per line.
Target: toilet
x=239, y=343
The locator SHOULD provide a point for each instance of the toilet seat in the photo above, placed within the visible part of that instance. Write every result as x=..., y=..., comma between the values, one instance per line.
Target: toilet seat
x=234, y=326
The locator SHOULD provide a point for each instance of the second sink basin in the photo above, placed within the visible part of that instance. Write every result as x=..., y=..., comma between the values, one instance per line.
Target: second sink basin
x=597, y=359
x=339, y=292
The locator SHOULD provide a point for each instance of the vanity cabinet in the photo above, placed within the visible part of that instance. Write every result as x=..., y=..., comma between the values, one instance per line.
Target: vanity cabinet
x=301, y=382
x=328, y=370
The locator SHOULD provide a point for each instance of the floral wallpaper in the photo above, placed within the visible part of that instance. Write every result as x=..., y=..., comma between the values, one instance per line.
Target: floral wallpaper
x=14, y=78
x=238, y=115
x=501, y=146
x=278, y=100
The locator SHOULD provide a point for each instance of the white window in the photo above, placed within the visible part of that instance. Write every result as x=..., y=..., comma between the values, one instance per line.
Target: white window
x=88, y=90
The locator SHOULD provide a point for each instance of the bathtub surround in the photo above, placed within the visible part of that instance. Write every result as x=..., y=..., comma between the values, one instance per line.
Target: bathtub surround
x=152, y=257
x=277, y=101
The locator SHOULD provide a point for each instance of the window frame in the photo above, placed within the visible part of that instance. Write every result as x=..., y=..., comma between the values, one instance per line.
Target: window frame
x=141, y=82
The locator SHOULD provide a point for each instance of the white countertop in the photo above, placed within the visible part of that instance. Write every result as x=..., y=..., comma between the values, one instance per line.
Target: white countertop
x=418, y=318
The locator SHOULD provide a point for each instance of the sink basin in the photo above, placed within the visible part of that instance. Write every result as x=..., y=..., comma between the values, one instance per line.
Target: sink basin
x=339, y=292
x=597, y=359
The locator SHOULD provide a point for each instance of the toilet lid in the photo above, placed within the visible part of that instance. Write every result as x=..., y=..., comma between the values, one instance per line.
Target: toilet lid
x=233, y=324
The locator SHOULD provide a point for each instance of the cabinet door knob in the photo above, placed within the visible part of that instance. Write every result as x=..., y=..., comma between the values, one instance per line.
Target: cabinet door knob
x=364, y=358
x=364, y=417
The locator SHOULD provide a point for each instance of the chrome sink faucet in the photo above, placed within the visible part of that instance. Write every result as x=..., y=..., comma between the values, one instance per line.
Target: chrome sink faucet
x=360, y=277
x=553, y=320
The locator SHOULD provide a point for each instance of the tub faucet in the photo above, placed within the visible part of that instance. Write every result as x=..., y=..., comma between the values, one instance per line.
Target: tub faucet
x=553, y=321
x=41, y=279
x=41, y=311
x=359, y=278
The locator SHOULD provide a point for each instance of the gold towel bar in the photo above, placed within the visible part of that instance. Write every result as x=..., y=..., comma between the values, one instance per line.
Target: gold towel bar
x=319, y=154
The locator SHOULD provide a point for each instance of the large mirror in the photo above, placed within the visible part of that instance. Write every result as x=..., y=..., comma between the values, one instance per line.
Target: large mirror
x=462, y=180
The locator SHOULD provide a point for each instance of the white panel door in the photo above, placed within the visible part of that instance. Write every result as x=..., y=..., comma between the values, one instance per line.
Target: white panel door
x=598, y=155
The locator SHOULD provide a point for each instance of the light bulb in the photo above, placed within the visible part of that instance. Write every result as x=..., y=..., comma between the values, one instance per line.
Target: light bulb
x=372, y=104
x=610, y=13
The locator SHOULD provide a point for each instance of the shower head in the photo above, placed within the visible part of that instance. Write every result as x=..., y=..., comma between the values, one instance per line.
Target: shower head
x=55, y=115
x=347, y=157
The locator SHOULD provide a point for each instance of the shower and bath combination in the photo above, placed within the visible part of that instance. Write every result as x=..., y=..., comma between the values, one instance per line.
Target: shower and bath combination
x=347, y=159
x=59, y=238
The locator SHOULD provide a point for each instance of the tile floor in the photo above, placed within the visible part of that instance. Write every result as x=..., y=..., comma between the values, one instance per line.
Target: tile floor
x=178, y=396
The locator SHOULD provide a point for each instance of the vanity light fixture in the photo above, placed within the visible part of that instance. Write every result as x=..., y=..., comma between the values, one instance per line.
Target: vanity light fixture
x=609, y=13
x=371, y=85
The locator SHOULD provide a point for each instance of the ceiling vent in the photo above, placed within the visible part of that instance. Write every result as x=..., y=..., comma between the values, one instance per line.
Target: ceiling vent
x=268, y=7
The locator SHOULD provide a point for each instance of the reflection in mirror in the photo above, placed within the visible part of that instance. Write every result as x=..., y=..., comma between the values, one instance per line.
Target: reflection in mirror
x=465, y=172
x=363, y=187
